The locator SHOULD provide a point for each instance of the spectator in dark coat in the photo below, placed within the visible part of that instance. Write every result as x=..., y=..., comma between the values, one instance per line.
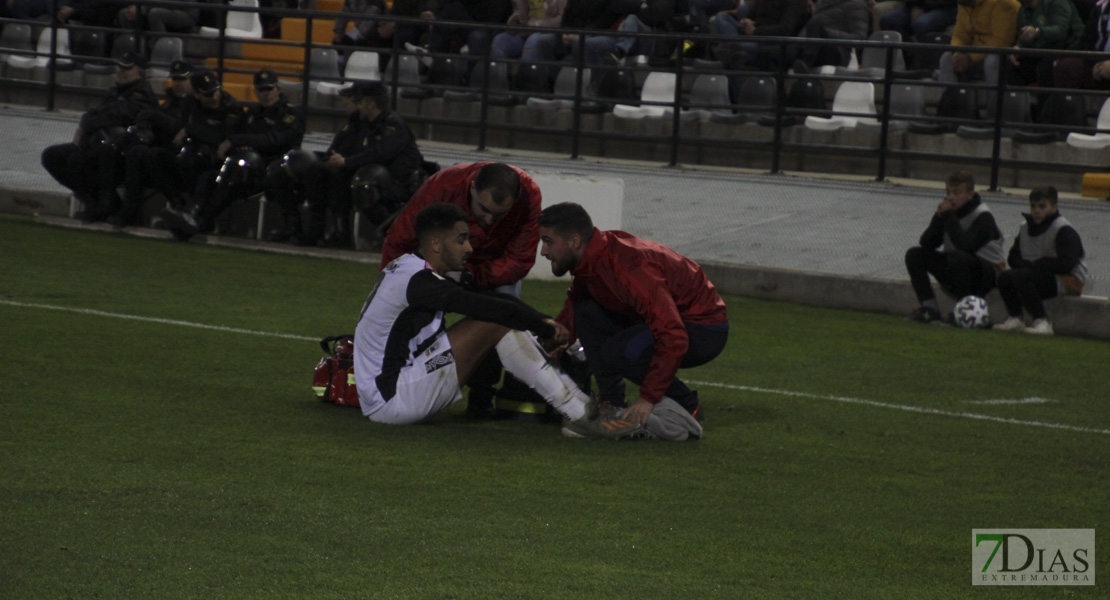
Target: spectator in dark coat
x=781, y=18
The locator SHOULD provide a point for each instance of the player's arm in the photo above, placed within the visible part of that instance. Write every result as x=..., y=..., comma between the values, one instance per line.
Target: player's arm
x=434, y=292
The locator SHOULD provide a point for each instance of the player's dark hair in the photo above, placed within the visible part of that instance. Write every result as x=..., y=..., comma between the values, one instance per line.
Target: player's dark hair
x=435, y=219
x=1044, y=192
x=961, y=178
x=502, y=181
x=567, y=218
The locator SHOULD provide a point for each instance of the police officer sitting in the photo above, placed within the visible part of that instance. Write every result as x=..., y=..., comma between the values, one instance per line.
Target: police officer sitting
x=151, y=154
x=90, y=165
x=378, y=173
x=267, y=131
x=212, y=118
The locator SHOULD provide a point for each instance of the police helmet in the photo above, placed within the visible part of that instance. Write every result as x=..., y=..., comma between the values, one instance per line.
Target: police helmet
x=366, y=184
x=296, y=162
x=110, y=135
x=242, y=167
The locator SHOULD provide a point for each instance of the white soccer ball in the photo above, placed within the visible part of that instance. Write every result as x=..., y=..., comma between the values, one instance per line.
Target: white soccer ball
x=971, y=313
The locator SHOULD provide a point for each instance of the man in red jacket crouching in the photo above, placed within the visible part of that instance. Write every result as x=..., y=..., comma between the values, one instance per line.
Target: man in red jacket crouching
x=640, y=309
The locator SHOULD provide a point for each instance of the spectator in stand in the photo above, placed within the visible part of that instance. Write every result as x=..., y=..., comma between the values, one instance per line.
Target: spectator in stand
x=608, y=15
x=91, y=165
x=161, y=20
x=363, y=13
x=530, y=46
x=915, y=18
x=698, y=12
x=1043, y=25
x=979, y=23
x=1046, y=261
x=455, y=39
x=25, y=9
x=784, y=18
x=833, y=20
x=101, y=13
x=1088, y=73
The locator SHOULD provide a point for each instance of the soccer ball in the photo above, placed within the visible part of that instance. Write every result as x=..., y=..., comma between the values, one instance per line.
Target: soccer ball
x=971, y=313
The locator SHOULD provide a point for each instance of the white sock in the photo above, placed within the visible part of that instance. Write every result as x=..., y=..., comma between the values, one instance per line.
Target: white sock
x=523, y=357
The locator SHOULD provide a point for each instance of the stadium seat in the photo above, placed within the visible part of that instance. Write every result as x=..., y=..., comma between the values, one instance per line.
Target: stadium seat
x=955, y=103
x=361, y=66
x=15, y=36
x=240, y=24
x=1015, y=111
x=872, y=62
x=656, y=98
x=565, y=85
x=532, y=79
x=1065, y=110
x=708, y=96
x=853, y=99
x=616, y=87
x=499, y=89
x=88, y=46
x=907, y=102
x=445, y=72
x=805, y=95
x=1099, y=139
x=757, y=100
x=165, y=52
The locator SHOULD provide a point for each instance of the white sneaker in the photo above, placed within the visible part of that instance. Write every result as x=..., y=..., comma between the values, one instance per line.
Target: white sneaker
x=1040, y=327
x=1010, y=324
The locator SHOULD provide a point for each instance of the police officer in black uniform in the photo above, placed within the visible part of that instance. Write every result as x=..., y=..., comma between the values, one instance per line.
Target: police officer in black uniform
x=210, y=121
x=378, y=175
x=90, y=165
x=268, y=130
x=285, y=183
x=151, y=155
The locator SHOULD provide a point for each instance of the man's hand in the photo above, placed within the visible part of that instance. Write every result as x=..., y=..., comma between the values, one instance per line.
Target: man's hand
x=1029, y=33
x=747, y=26
x=945, y=206
x=65, y=12
x=428, y=15
x=386, y=29
x=639, y=412
x=221, y=151
x=916, y=13
x=78, y=136
x=336, y=159
x=1101, y=71
x=559, y=339
x=960, y=61
x=179, y=139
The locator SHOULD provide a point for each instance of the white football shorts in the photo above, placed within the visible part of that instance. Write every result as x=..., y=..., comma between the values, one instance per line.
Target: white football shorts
x=424, y=388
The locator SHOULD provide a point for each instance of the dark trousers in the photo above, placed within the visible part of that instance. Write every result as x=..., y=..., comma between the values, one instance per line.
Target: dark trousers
x=620, y=347
x=959, y=273
x=287, y=192
x=88, y=171
x=328, y=186
x=1026, y=289
x=148, y=167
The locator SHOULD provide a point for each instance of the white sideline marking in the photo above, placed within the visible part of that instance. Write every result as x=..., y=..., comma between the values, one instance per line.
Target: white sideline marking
x=1033, y=400
x=742, y=388
x=102, y=313
x=907, y=408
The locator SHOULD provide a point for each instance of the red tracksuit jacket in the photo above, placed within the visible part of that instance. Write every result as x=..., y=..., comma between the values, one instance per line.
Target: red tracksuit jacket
x=628, y=275
x=502, y=255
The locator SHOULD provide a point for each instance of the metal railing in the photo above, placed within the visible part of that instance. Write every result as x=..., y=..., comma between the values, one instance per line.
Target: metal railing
x=675, y=138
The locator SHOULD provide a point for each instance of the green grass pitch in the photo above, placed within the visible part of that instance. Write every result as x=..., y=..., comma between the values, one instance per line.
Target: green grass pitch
x=151, y=459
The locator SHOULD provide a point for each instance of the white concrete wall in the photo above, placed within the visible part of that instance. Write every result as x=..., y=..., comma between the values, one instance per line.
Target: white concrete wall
x=602, y=197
